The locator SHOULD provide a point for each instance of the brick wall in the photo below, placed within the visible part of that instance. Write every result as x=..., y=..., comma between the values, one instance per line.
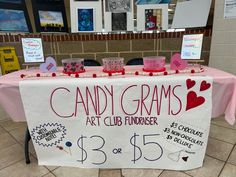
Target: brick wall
x=223, y=53
x=98, y=46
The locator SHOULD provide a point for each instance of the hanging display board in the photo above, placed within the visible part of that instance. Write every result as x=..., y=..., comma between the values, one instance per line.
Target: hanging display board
x=152, y=17
x=86, y=16
x=189, y=14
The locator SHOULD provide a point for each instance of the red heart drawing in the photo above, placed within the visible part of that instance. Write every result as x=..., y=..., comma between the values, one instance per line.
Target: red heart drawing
x=190, y=83
x=185, y=158
x=205, y=86
x=193, y=100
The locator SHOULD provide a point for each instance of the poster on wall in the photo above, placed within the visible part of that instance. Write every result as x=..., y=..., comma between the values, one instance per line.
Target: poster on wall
x=192, y=47
x=86, y=19
x=152, y=17
x=230, y=9
x=118, y=5
x=32, y=50
x=160, y=123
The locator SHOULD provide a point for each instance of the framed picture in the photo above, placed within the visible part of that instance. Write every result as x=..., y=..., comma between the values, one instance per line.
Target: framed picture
x=86, y=20
x=120, y=19
x=86, y=16
x=51, y=19
x=11, y=1
x=50, y=1
x=14, y=16
x=118, y=5
x=50, y=16
x=13, y=21
x=145, y=2
x=152, y=17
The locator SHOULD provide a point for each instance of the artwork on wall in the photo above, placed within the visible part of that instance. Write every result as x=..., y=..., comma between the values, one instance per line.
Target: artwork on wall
x=119, y=21
x=49, y=1
x=50, y=19
x=49, y=15
x=11, y=1
x=86, y=16
x=118, y=5
x=14, y=16
x=86, y=19
x=13, y=21
x=153, y=19
x=142, y=2
x=122, y=19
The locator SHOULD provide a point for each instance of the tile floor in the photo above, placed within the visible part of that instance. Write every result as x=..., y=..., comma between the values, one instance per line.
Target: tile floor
x=220, y=159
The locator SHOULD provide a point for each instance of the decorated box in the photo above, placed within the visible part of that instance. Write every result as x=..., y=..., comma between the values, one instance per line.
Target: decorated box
x=74, y=65
x=154, y=63
x=113, y=64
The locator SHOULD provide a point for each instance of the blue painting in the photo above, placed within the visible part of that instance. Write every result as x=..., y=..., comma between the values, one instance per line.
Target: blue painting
x=11, y=1
x=85, y=20
x=13, y=20
x=142, y=2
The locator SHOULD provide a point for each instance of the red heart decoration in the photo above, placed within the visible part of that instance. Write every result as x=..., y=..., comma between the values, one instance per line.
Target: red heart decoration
x=190, y=83
x=193, y=100
x=205, y=86
x=185, y=158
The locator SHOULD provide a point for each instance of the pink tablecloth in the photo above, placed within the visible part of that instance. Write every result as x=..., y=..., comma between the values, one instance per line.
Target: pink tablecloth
x=223, y=98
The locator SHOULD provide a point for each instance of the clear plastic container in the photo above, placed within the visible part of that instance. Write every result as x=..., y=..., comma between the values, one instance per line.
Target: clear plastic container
x=74, y=65
x=113, y=64
x=154, y=63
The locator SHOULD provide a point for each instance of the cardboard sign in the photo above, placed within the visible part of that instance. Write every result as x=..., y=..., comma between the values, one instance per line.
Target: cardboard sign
x=120, y=122
x=32, y=50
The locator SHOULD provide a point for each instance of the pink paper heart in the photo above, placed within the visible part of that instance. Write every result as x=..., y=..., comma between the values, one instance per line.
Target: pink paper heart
x=177, y=63
x=49, y=66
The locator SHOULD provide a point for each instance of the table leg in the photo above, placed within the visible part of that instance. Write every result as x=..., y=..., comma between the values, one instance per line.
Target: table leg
x=27, y=139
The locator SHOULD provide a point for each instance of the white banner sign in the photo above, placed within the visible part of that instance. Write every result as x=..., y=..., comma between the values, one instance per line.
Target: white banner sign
x=144, y=122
